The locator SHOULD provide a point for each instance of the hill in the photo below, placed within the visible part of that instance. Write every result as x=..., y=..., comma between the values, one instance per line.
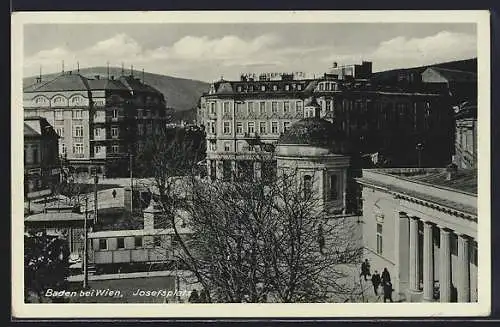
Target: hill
x=469, y=65
x=181, y=94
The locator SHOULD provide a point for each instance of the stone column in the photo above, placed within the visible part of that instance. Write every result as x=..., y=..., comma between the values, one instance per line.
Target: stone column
x=209, y=169
x=414, y=267
x=219, y=173
x=445, y=266
x=463, y=287
x=428, y=263
x=257, y=169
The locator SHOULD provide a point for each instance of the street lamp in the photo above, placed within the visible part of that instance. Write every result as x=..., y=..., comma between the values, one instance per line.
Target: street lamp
x=419, y=148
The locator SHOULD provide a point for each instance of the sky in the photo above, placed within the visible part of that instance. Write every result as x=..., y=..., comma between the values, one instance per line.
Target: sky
x=210, y=51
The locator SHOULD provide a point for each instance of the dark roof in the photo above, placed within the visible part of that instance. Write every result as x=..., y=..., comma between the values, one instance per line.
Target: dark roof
x=106, y=84
x=311, y=102
x=64, y=82
x=316, y=132
x=28, y=131
x=135, y=84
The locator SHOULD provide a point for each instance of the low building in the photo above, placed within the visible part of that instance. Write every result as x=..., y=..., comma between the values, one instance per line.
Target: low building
x=466, y=136
x=421, y=224
x=41, y=160
x=61, y=221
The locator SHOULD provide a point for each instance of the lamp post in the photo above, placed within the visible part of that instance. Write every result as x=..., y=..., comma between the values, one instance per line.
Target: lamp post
x=96, y=180
x=85, y=248
x=419, y=148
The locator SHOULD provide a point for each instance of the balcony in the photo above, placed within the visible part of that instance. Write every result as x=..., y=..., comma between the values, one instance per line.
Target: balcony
x=251, y=138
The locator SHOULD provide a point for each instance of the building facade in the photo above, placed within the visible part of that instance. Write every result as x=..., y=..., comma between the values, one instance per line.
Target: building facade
x=244, y=117
x=41, y=160
x=466, y=136
x=101, y=121
x=421, y=224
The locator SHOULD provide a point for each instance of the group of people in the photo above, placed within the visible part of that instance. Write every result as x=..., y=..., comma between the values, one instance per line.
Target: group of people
x=378, y=280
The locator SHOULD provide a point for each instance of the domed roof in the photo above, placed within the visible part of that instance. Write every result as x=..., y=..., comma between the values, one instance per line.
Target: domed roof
x=316, y=132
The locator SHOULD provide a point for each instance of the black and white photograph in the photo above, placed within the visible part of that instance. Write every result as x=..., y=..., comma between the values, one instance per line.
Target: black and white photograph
x=204, y=163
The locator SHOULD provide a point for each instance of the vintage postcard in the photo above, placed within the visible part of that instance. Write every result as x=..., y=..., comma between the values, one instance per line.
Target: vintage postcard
x=251, y=164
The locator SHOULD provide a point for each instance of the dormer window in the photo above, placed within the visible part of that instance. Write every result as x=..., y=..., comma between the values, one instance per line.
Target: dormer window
x=239, y=88
x=263, y=88
x=299, y=87
x=251, y=88
x=275, y=87
x=287, y=87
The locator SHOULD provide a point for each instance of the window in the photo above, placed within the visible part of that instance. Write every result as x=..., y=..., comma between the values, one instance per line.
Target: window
x=274, y=107
x=98, y=149
x=115, y=148
x=114, y=131
x=262, y=108
x=227, y=146
x=298, y=105
x=213, y=147
x=274, y=127
x=239, y=88
x=239, y=128
x=139, y=113
x=286, y=107
x=78, y=148
x=35, y=155
x=212, y=127
x=59, y=100
x=333, y=187
x=286, y=124
x=250, y=108
x=63, y=148
x=97, y=132
x=226, y=127
x=299, y=87
x=307, y=180
x=60, y=131
x=77, y=114
x=212, y=107
x=275, y=87
x=140, y=129
x=251, y=127
x=328, y=105
x=157, y=241
x=226, y=108
x=138, y=241
x=287, y=87
x=115, y=113
x=59, y=115
x=379, y=238
x=321, y=87
x=263, y=88
x=78, y=131
x=103, y=244
x=262, y=127
x=120, y=243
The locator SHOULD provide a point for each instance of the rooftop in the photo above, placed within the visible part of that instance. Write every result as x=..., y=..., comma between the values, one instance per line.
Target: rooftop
x=55, y=217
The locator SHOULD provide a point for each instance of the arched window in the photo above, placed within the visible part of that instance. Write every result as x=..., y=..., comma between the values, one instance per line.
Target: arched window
x=307, y=184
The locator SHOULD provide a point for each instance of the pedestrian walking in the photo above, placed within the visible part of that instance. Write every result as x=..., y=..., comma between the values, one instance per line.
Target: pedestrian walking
x=365, y=269
x=388, y=291
x=376, y=281
x=194, y=297
x=386, y=277
x=114, y=194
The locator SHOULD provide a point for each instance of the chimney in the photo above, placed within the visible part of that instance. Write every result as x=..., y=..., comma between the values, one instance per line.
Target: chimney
x=451, y=171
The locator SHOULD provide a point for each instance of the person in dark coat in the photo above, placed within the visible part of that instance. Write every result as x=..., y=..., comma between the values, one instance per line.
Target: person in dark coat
x=114, y=194
x=194, y=298
x=365, y=269
x=386, y=277
x=376, y=282
x=388, y=291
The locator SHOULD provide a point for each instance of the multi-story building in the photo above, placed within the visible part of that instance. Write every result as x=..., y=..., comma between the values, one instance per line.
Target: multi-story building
x=41, y=160
x=242, y=117
x=101, y=121
x=421, y=224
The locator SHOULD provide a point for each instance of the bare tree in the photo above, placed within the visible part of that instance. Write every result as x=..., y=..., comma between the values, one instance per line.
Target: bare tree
x=262, y=240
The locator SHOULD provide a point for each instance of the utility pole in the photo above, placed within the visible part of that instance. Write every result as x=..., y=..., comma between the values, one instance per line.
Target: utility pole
x=85, y=247
x=131, y=187
x=96, y=180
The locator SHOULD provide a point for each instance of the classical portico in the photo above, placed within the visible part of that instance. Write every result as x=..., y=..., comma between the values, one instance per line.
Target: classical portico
x=434, y=256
